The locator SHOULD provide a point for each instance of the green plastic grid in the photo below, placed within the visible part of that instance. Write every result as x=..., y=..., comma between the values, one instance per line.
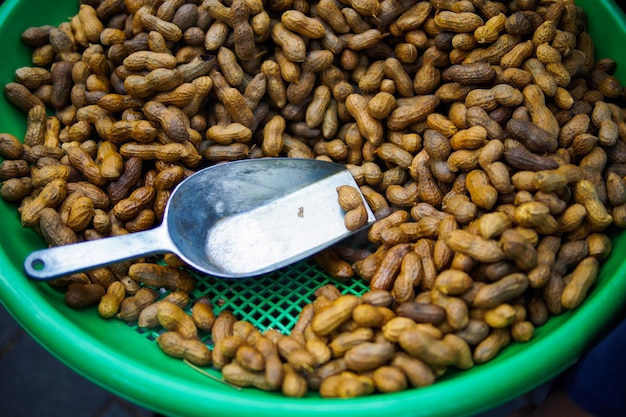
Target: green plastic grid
x=272, y=300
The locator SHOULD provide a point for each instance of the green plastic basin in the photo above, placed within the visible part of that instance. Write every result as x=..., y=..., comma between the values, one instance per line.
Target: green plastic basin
x=127, y=361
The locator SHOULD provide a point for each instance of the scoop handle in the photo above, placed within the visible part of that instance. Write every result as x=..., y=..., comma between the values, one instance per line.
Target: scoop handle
x=65, y=260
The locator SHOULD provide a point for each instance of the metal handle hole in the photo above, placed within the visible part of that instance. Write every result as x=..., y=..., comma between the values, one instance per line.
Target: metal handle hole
x=38, y=265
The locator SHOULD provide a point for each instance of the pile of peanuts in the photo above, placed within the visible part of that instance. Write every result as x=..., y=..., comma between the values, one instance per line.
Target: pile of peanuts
x=483, y=134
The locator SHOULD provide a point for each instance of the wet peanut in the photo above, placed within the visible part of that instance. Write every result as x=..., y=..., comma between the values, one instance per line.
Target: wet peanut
x=10, y=146
x=295, y=354
x=148, y=317
x=50, y=196
x=174, y=344
x=417, y=372
x=457, y=315
x=272, y=136
x=489, y=347
x=332, y=264
x=132, y=306
x=331, y=318
x=15, y=189
x=294, y=384
x=368, y=356
x=522, y=331
x=389, y=267
x=474, y=246
x=369, y=127
x=346, y=385
x=586, y=194
x=83, y=295
x=110, y=302
x=457, y=22
x=161, y=276
x=203, y=315
x=582, y=278
x=451, y=350
x=501, y=291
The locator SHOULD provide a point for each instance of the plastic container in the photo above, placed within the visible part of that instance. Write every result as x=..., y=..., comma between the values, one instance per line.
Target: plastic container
x=127, y=361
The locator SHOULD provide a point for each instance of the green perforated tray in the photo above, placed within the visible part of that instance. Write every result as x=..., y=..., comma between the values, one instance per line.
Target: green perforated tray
x=272, y=301
x=127, y=361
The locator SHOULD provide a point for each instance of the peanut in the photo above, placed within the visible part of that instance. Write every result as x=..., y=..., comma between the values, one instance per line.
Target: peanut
x=148, y=317
x=586, y=194
x=177, y=346
x=50, y=196
x=294, y=384
x=291, y=43
x=489, y=347
x=451, y=350
x=346, y=385
x=369, y=127
x=501, y=291
x=272, y=136
x=457, y=22
x=110, y=302
x=582, y=278
x=162, y=276
x=83, y=295
x=417, y=372
x=331, y=263
x=484, y=250
x=131, y=307
x=203, y=315
x=331, y=318
x=368, y=356
x=16, y=189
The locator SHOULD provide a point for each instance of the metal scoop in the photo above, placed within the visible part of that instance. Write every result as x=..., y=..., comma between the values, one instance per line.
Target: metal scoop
x=232, y=220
